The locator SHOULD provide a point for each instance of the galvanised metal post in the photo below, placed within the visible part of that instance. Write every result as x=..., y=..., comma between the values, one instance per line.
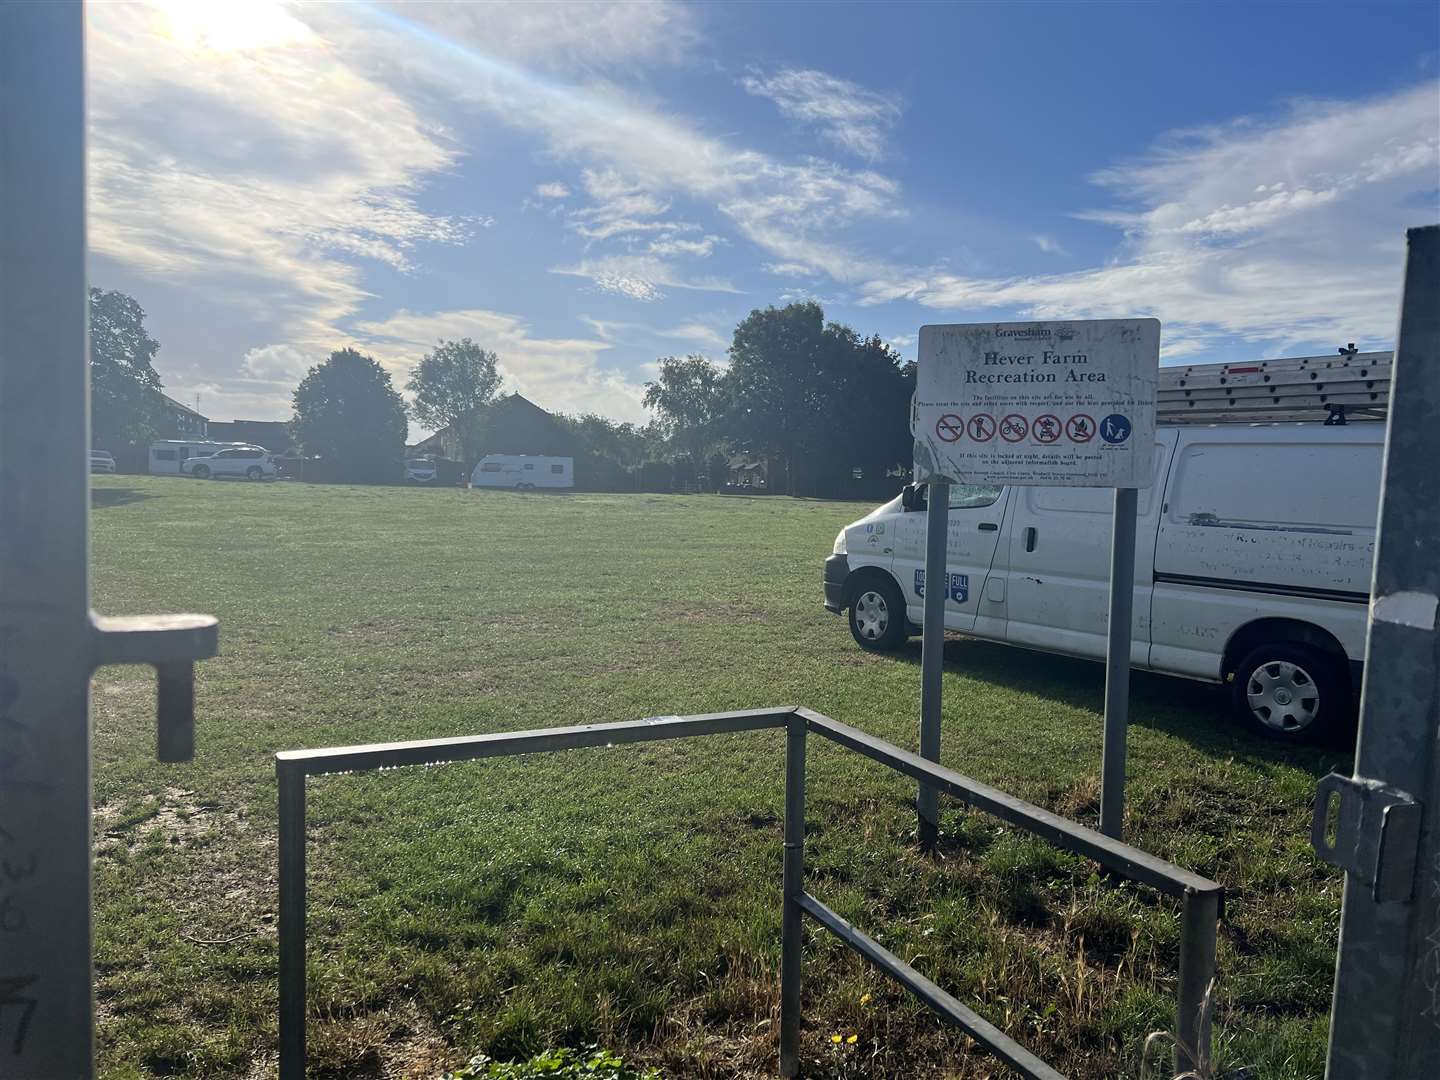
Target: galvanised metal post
x=1117, y=662
x=1385, y=1022
x=46, y=1025
x=1199, y=918
x=932, y=650
x=291, y=778
x=791, y=921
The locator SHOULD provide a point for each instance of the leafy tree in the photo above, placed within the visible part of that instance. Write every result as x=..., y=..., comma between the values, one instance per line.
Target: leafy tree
x=452, y=384
x=815, y=397
x=689, y=397
x=348, y=413
x=125, y=404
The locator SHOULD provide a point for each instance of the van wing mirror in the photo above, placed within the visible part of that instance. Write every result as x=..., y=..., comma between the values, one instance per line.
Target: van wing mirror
x=912, y=497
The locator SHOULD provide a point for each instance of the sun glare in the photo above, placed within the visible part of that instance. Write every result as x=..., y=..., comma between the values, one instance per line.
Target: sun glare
x=220, y=26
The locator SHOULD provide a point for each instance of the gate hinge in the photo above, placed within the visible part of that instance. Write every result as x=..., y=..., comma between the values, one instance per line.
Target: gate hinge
x=1377, y=833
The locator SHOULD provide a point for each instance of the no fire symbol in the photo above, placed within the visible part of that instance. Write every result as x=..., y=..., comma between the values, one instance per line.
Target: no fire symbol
x=1080, y=428
x=949, y=427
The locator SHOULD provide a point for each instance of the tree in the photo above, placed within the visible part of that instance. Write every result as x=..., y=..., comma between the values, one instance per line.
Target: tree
x=815, y=396
x=452, y=384
x=125, y=403
x=689, y=397
x=348, y=413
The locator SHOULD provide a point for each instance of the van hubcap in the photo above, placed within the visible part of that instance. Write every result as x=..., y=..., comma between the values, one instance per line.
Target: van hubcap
x=1283, y=696
x=872, y=615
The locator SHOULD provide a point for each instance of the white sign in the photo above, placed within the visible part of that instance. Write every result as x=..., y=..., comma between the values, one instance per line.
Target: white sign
x=1062, y=403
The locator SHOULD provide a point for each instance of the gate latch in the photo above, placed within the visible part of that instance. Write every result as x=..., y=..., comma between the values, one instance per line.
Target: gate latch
x=1377, y=833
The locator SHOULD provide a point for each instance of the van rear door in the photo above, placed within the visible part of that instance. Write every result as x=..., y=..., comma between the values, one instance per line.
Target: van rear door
x=1058, y=566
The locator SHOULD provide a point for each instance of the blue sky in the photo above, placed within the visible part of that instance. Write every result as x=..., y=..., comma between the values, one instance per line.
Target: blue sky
x=585, y=187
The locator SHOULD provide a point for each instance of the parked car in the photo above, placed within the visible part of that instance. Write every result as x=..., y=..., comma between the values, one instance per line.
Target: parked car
x=251, y=462
x=1254, y=548
x=102, y=461
x=420, y=471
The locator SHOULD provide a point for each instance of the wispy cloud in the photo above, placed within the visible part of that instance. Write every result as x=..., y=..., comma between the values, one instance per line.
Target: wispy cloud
x=848, y=115
x=641, y=277
x=552, y=190
x=1049, y=244
x=1286, y=232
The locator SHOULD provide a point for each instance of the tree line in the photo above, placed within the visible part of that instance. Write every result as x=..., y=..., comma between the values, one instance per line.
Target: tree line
x=820, y=405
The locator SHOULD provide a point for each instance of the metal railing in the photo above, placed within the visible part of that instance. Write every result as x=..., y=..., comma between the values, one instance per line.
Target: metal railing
x=1200, y=897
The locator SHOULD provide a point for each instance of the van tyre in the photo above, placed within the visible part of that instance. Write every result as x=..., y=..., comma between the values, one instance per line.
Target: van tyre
x=201, y=472
x=254, y=472
x=1291, y=692
x=877, y=615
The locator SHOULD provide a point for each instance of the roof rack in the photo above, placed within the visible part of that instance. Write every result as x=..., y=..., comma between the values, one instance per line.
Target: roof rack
x=1351, y=386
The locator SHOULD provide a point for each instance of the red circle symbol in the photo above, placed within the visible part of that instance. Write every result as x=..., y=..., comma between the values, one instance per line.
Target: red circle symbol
x=1080, y=428
x=982, y=427
x=949, y=427
x=1014, y=427
x=1046, y=428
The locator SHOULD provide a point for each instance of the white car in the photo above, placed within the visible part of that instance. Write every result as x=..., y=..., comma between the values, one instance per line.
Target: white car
x=251, y=462
x=420, y=471
x=102, y=461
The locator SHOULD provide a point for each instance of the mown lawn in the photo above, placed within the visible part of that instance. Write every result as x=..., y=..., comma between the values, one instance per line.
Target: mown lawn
x=629, y=896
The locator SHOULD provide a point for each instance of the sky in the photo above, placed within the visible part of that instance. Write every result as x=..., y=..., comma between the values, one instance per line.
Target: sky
x=585, y=187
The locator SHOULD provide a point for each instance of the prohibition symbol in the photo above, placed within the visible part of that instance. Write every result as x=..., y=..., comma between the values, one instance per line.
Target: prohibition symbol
x=1080, y=428
x=1046, y=428
x=1014, y=427
x=949, y=427
x=982, y=427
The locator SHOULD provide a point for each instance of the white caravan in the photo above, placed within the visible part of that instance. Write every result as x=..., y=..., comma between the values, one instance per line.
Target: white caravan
x=1253, y=559
x=523, y=472
x=167, y=455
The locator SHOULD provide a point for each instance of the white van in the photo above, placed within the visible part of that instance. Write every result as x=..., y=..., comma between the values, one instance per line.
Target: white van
x=1252, y=568
x=523, y=472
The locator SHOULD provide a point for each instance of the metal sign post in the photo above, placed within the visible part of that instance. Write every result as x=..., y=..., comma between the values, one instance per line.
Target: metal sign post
x=1385, y=1020
x=50, y=643
x=1037, y=404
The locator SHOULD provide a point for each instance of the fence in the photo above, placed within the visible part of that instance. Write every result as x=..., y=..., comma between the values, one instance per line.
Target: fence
x=1200, y=897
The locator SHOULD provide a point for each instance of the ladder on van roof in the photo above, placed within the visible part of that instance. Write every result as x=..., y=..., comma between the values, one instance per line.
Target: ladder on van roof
x=1337, y=389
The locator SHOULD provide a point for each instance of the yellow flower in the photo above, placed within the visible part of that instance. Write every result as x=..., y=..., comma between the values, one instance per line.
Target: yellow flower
x=853, y=1039
x=835, y=1038
x=864, y=999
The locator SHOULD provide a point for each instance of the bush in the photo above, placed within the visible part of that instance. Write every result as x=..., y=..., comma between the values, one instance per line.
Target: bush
x=588, y=1064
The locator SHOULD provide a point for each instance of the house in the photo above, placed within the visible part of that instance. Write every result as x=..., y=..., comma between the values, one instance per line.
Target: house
x=180, y=421
x=749, y=472
x=273, y=435
x=509, y=425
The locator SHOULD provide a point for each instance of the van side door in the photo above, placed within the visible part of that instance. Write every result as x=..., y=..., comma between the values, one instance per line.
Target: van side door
x=976, y=514
x=1058, y=568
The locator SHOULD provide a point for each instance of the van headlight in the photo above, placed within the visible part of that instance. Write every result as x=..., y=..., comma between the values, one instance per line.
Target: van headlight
x=839, y=548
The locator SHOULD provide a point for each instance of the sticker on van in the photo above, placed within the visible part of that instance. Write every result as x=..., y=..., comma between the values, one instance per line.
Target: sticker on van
x=958, y=591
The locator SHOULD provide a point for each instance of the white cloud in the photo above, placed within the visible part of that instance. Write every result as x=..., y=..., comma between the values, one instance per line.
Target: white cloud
x=1049, y=244
x=1287, y=232
x=552, y=190
x=850, y=116
x=559, y=374
x=640, y=277
x=228, y=148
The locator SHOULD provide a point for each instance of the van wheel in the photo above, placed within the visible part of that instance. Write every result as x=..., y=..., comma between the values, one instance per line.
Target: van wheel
x=1291, y=692
x=201, y=472
x=877, y=615
x=254, y=472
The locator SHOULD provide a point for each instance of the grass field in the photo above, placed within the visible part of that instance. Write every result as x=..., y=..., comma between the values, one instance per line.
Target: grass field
x=629, y=896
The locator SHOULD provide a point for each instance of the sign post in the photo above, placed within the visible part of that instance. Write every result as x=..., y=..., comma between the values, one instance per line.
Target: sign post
x=1067, y=404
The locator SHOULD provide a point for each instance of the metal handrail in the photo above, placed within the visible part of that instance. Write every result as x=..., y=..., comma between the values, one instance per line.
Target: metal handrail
x=1201, y=898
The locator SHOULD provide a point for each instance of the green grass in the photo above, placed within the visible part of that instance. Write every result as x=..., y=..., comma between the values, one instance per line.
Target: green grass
x=627, y=897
